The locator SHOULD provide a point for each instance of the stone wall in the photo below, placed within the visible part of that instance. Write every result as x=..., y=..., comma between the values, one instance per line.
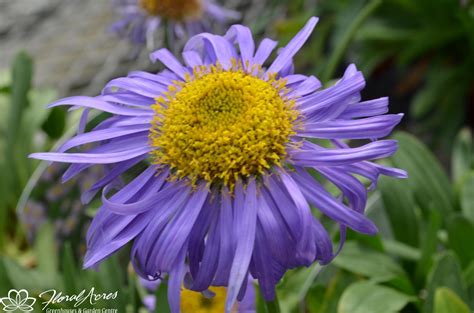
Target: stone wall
x=73, y=50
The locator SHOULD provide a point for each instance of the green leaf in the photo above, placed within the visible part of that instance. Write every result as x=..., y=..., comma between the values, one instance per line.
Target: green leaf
x=427, y=179
x=445, y=273
x=55, y=123
x=133, y=293
x=5, y=286
x=46, y=253
x=428, y=247
x=324, y=296
x=70, y=274
x=446, y=301
x=21, y=83
x=111, y=270
x=273, y=306
x=22, y=278
x=424, y=100
x=461, y=233
x=295, y=286
x=162, y=305
x=375, y=265
x=468, y=274
x=367, y=297
x=400, y=207
x=462, y=157
x=467, y=197
x=401, y=250
x=259, y=302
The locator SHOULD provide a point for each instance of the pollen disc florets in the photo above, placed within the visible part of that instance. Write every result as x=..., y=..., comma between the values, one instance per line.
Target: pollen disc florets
x=219, y=125
x=178, y=10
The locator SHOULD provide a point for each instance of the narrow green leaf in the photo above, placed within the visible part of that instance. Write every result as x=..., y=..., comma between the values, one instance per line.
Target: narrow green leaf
x=375, y=265
x=21, y=83
x=111, y=270
x=445, y=273
x=467, y=197
x=5, y=286
x=402, y=250
x=69, y=270
x=400, y=207
x=462, y=157
x=273, y=306
x=133, y=294
x=461, y=233
x=162, y=305
x=367, y=297
x=446, y=301
x=45, y=250
x=260, y=302
x=295, y=286
x=425, y=100
x=324, y=296
x=428, y=247
x=348, y=36
x=427, y=179
x=468, y=274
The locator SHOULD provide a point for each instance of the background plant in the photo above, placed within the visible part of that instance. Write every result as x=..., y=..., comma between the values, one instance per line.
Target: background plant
x=420, y=53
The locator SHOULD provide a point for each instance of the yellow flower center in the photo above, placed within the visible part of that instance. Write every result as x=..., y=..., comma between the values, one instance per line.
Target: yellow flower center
x=195, y=302
x=178, y=10
x=221, y=125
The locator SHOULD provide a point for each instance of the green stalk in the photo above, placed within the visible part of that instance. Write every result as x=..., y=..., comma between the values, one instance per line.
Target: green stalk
x=341, y=47
x=273, y=306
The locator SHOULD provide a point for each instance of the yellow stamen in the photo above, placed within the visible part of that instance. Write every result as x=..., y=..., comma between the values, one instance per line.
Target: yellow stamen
x=221, y=125
x=195, y=302
x=178, y=10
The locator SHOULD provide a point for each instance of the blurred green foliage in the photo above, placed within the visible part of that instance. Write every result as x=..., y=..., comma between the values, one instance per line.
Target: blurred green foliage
x=22, y=114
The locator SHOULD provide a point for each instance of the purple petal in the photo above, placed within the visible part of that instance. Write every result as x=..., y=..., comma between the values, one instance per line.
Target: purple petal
x=331, y=102
x=264, y=50
x=192, y=58
x=176, y=233
x=103, y=134
x=226, y=249
x=365, y=128
x=309, y=85
x=332, y=157
x=293, y=47
x=366, y=109
x=243, y=36
x=246, y=220
x=176, y=278
x=111, y=175
x=95, y=103
x=144, y=88
x=169, y=60
x=305, y=248
x=219, y=49
x=325, y=202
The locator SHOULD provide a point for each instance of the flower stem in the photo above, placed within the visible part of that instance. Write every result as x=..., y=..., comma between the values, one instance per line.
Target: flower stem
x=341, y=47
x=273, y=306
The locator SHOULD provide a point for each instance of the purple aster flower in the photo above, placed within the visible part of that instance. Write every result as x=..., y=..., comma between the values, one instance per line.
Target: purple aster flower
x=231, y=145
x=142, y=18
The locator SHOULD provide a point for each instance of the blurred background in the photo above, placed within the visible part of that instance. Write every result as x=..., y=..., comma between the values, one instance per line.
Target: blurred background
x=419, y=53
